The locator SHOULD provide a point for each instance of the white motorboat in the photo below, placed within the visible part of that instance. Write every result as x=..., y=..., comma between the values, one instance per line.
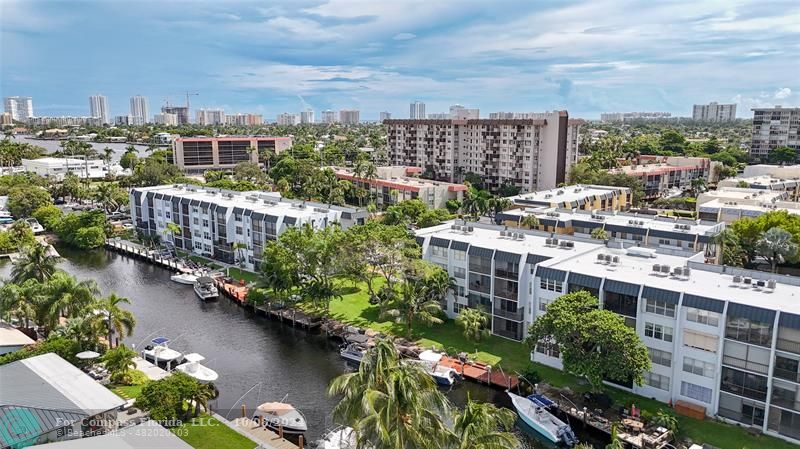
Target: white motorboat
x=159, y=351
x=185, y=278
x=193, y=368
x=280, y=415
x=443, y=375
x=534, y=412
x=205, y=289
x=352, y=352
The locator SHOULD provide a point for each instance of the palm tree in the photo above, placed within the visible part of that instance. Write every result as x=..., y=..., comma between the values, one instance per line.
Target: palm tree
x=599, y=234
x=119, y=362
x=172, y=230
x=414, y=303
x=239, y=247
x=615, y=443
x=85, y=331
x=776, y=245
x=66, y=296
x=202, y=395
x=117, y=318
x=36, y=262
x=20, y=301
x=698, y=186
x=105, y=194
x=474, y=323
x=107, y=154
x=481, y=425
x=391, y=404
x=531, y=221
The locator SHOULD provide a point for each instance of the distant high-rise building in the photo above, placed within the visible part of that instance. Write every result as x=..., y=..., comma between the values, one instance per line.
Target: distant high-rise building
x=98, y=107
x=439, y=116
x=714, y=112
x=210, y=117
x=329, y=116
x=459, y=112
x=773, y=128
x=139, y=110
x=385, y=115
x=450, y=148
x=349, y=116
x=244, y=119
x=416, y=110
x=307, y=116
x=20, y=108
x=124, y=120
x=182, y=113
x=626, y=116
x=5, y=119
x=288, y=119
x=166, y=118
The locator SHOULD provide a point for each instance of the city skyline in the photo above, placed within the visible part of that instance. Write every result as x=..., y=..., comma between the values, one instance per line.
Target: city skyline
x=585, y=57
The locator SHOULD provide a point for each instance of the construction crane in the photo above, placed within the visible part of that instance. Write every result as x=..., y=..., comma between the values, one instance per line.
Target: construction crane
x=187, y=98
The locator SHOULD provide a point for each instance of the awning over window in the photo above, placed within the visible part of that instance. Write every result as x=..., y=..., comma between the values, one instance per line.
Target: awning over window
x=658, y=294
x=534, y=259
x=480, y=252
x=751, y=313
x=551, y=273
x=507, y=257
x=436, y=241
x=459, y=246
x=623, y=288
x=790, y=320
x=584, y=280
x=701, y=302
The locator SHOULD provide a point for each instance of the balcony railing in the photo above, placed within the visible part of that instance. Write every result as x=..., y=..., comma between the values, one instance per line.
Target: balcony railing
x=516, y=316
x=786, y=374
x=759, y=395
x=506, y=274
x=791, y=404
x=788, y=345
x=508, y=334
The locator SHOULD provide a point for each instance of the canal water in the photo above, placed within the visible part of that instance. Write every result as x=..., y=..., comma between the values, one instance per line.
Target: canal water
x=51, y=146
x=246, y=350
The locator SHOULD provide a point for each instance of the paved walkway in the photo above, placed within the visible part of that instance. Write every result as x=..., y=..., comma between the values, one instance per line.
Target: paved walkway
x=262, y=436
x=153, y=372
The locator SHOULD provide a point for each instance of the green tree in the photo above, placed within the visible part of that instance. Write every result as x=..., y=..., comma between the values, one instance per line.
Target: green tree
x=65, y=296
x=481, y=425
x=36, y=262
x=214, y=175
x=414, y=303
x=117, y=318
x=172, y=230
x=776, y=246
x=531, y=221
x=474, y=324
x=672, y=141
x=119, y=363
x=48, y=216
x=782, y=155
x=712, y=146
x=666, y=420
x=128, y=159
x=23, y=200
x=249, y=171
x=167, y=399
x=599, y=234
x=594, y=343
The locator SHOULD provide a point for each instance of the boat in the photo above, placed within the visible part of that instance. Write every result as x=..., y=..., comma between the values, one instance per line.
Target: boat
x=352, y=352
x=280, y=415
x=159, y=351
x=185, y=278
x=193, y=368
x=534, y=411
x=205, y=289
x=443, y=375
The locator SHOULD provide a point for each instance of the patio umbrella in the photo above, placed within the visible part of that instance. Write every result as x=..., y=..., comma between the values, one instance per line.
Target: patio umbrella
x=87, y=355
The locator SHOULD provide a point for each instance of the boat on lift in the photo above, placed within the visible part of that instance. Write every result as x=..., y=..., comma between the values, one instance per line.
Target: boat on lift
x=160, y=352
x=443, y=375
x=193, y=368
x=353, y=352
x=280, y=415
x=534, y=411
x=205, y=289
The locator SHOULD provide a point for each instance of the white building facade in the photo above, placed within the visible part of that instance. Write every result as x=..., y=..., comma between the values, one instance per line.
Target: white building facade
x=20, y=108
x=773, y=128
x=714, y=112
x=98, y=107
x=416, y=110
x=139, y=110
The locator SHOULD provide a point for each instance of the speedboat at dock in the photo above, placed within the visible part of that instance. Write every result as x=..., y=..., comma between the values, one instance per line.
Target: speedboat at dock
x=534, y=411
x=280, y=415
x=205, y=289
x=193, y=368
x=160, y=352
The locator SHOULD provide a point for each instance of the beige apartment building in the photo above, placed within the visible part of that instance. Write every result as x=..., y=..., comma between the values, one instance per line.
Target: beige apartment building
x=773, y=128
x=198, y=154
x=532, y=154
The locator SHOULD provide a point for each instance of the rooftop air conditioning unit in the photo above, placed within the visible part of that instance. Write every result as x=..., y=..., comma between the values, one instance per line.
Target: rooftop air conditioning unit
x=615, y=260
x=600, y=257
x=560, y=192
x=771, y=284
x=548, y=195
x=502, y=233
x=657, y=268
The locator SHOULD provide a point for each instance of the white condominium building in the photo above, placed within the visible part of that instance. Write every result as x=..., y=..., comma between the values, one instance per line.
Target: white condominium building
x=20, y=108
x=714, y=112
x=98, y=107
x=288, y=119
x=329, y=117
x=349, y=116
x=724, y=339
x=307, y=116
x=213, y=221
x=416, y=110
x=198, y=154
x=773, y=128
x=532, y=154
x=139, y=110
x=210, y=117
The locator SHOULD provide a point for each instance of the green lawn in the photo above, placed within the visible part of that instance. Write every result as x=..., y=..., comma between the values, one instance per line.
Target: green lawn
x=354, y=308
x=208, y=433
x=128, y=391
x=248, y=276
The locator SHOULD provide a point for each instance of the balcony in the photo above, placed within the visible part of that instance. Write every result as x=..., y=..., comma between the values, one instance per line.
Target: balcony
x=514, y=275
x=788, y=345
x=519, y=315
x=786, y=374
x=757, y=394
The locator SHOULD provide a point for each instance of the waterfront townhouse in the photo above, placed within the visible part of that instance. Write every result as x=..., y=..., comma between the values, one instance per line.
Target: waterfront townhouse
x=630, y=228
x=232, y=227
x=583, y=197
x=394, y=184
x=531, y=154
x=722, y=340
x=198, y=154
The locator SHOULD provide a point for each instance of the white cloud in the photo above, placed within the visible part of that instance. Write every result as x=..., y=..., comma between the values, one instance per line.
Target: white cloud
x=782, y=93
x=404, y=36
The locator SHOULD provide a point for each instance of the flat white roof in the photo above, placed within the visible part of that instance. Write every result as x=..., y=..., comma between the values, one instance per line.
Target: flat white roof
x=59, y=161
x=717, y=203
x=567, y=193
x=746, y=194
x=9, y=336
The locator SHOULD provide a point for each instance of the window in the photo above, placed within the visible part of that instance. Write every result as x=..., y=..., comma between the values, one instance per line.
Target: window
x=549, y=349
x=656, y=381
x=237, y=217
x=438, y=251
x=751, y=358
x=196, y=221
x=749, y=331
x=459, y=272
x=460, y=291
x=664, y=242
x=702, y=316
x=552, y=285
x=698, y=367
x=699, y=340
x=543, y=305
x=206, y=236
x=198, y=245
x=238, y=230
x=460, y=255
x=659, y=307
x=658, y=331
x=697, y=392
x=457, y=308
x=744, y=384
x=205, y=223
x=659, y=357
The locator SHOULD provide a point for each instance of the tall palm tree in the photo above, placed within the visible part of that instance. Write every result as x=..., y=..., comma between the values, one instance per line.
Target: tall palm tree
x=172, y=230
x=776, y=245
x=475, y=324
x=85, y=331
x=202, y=395
x=20, y=301
x=414, y=303
x=105, y=194
x=481, y=425
x=36, y=262
x=117, y=318
x=119, y=362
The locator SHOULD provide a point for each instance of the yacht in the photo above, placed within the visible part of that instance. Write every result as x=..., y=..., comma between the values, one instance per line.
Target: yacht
x=280, y=415
x=193, y=368
x=205, y=289
x=535, y=412
x=443, y=375
x=352, y=352
x=159, y=351
x=186, y=278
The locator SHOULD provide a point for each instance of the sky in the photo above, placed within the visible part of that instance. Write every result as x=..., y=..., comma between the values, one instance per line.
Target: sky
x=266, y=57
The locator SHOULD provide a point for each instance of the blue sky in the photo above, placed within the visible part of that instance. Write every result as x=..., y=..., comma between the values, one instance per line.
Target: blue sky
x=525, y=55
